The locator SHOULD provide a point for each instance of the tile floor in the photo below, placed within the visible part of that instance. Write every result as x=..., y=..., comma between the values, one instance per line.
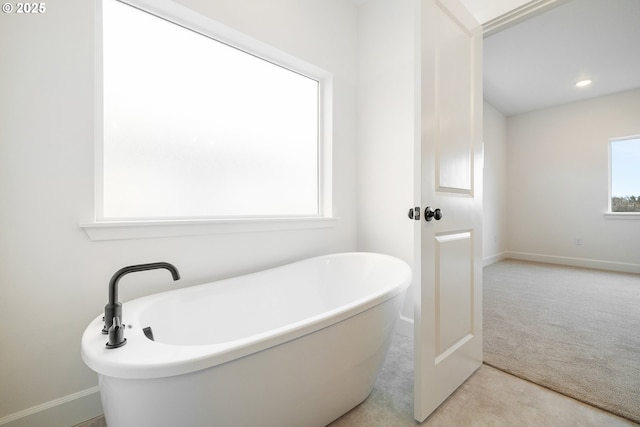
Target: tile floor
x=489, y=398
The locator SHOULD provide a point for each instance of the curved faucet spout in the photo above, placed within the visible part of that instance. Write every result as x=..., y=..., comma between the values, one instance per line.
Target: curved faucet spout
x=113, y=309
x=113, y=283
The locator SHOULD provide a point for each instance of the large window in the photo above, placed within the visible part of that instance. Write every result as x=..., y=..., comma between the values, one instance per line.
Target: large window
x=196, y=128
x=625, y=174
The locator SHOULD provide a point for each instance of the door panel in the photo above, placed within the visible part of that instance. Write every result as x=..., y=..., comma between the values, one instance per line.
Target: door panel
x=448, y=322
x=454, y=292
x=453, y=96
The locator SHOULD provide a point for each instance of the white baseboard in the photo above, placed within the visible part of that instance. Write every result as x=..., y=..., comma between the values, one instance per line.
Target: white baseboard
x=404, y=326
x=493, y=259
x=576, y=262
x=63, y=412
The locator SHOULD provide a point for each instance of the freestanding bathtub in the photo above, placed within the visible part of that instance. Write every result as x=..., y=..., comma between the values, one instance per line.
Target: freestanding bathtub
x=296, y=345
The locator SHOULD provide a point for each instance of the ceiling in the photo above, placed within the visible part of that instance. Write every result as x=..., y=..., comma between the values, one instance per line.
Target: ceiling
x=536, y=63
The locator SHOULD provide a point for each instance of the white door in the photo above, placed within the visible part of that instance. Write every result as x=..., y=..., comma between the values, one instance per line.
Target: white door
x=448, y=309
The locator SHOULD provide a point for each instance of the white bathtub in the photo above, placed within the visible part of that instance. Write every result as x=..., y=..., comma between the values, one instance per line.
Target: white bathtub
x=297, y=345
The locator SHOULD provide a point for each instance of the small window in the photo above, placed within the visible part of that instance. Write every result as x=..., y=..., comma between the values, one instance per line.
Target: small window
x=196, y=128
x=625, y=174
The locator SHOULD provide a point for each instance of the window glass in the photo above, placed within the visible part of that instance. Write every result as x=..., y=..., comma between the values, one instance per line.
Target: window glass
x=195, y=128
x=625, y=175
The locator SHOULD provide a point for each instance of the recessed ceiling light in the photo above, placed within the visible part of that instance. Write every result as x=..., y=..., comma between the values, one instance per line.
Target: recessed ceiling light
x=583, y=83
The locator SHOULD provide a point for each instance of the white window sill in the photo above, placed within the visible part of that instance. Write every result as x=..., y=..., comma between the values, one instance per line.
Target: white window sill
x=622, y=215
x=121, y=230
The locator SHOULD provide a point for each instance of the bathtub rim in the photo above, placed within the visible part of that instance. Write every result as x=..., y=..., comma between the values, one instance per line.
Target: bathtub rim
x=142, y=358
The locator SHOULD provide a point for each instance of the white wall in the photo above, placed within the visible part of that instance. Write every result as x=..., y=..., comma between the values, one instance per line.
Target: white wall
x=53, y=279
x=387, y=123
x=494, y=221
x=558, y=184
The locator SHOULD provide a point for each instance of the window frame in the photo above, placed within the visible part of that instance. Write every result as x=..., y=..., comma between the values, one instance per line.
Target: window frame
x=100, y=229
x=610, y=214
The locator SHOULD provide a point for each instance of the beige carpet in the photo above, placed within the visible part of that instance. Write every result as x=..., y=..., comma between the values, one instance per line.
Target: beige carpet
x=573, y=330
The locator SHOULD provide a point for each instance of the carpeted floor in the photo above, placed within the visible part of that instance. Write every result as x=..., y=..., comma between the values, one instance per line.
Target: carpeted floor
x=573, y=330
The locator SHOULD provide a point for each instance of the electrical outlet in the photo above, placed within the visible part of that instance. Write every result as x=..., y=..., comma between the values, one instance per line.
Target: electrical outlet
x=578, y=241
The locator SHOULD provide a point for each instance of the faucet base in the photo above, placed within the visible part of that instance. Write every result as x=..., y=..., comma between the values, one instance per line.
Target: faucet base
x=116, y=345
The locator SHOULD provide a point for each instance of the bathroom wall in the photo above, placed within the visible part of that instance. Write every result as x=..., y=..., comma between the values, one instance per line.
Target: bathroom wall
x=53, y=279
x=557, y=178
x=494, y=221
x=388, y=131
x=388, y=125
